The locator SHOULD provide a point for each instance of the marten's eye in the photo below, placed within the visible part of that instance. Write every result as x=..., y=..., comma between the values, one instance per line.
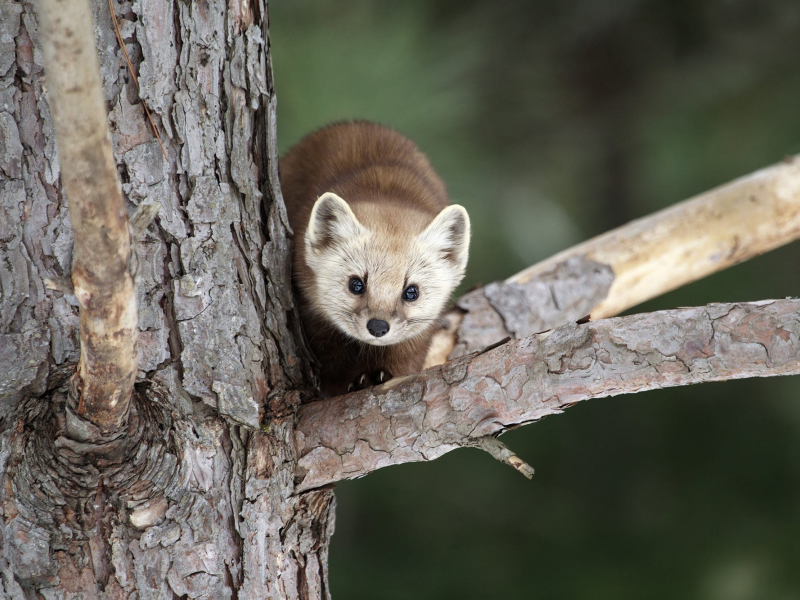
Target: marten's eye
x=411, y=293
x=357, y=286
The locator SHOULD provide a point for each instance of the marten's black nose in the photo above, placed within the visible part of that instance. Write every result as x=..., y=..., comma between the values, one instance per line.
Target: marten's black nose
x=377, y=327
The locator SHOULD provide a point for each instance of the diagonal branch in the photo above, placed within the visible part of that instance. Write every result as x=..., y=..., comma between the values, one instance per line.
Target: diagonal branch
x=100, y=273
x=423, y=416
x=633, y=263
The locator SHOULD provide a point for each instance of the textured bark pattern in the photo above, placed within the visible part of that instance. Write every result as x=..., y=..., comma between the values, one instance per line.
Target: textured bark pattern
x=508, y=309
x=143, y=513
x=421, y=417
x=35, y=235
x=192, y=500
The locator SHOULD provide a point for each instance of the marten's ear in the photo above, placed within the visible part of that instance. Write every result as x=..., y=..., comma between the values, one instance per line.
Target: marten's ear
x=331, y=220
x=448, y=233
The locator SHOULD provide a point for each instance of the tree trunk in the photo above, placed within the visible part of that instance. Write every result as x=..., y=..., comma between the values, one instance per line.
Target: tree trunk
x=196, y=497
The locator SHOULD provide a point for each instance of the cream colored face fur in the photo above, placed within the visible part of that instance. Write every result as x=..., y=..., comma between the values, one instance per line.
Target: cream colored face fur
x=389, y=249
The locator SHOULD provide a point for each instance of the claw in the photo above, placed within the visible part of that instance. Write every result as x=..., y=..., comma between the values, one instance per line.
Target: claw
x=350, y=388
x=381, y=377
x=362, y=380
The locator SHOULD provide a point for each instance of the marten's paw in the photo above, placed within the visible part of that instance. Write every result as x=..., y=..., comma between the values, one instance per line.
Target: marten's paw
x=381, y=376
x=369, y=379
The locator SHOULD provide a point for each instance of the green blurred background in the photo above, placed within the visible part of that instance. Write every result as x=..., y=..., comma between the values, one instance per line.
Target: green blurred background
x=553, y=122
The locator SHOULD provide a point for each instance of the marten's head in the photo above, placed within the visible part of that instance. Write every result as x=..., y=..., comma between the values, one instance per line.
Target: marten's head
x=385, y=277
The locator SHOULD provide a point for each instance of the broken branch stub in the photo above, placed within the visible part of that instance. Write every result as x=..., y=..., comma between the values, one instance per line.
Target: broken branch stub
x=103, y=284
x=421, y=417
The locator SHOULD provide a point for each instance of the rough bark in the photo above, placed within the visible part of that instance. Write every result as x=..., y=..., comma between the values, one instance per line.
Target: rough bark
x=633, y=263
x=421, y=417
x=195, y=497
x=101, y=277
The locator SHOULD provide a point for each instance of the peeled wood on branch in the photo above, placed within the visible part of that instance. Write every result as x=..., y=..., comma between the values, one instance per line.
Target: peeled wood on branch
x=102, y=282
x=423, y=416
x=633, y=263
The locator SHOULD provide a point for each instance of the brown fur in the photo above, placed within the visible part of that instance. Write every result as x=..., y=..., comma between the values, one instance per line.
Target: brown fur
x=365, y=164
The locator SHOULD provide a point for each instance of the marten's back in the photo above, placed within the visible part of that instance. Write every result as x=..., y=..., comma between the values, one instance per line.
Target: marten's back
x=361, y=162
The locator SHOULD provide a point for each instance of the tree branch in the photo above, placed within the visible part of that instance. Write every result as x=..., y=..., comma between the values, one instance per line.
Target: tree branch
x=639, y=261
x=103, y=284
x=499, y=451
x=423, y=416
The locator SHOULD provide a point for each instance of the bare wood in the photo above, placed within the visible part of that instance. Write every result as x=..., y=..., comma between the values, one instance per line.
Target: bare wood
x=422, y=417
x=103, y=285
x=693, y=239
x=634, y=263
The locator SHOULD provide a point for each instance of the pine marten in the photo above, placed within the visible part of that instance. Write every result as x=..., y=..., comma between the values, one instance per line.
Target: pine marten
x=378, y=250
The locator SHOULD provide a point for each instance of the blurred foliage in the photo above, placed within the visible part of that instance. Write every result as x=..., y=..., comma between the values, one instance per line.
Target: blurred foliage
x=553, y=122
